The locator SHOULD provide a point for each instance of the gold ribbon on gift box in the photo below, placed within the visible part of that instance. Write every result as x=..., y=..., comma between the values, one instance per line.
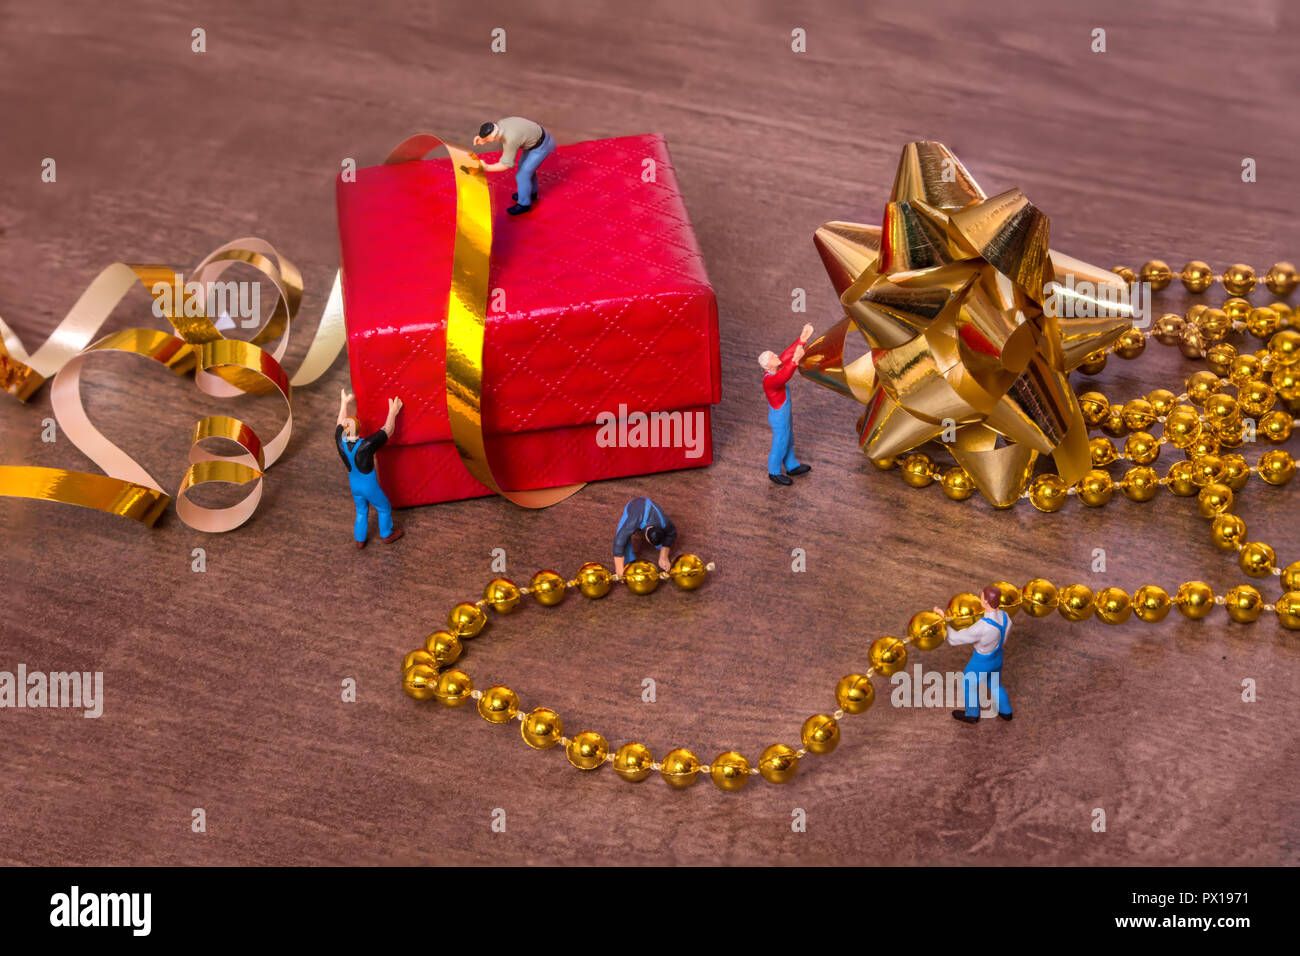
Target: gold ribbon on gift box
x=222, y=368
x=228, y=367
x=972, y=326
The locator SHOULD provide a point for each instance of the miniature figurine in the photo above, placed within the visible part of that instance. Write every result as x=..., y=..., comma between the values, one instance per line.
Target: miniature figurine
x=642, y=514
x=988, y=634
x=530, y=142
x=359, y=458
x=779, y=413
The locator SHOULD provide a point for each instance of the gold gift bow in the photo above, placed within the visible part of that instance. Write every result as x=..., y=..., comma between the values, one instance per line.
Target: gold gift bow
x=223, y=368
x=467, y=316
x=951, y=296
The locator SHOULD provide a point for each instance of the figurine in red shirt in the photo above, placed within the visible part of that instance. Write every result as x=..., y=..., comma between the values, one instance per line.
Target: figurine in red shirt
x=779, y=368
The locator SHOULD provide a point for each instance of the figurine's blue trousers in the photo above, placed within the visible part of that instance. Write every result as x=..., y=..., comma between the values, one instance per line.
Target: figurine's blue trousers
x=978, y=675
x=366, y=492
x=782, y=453
x=526, y=174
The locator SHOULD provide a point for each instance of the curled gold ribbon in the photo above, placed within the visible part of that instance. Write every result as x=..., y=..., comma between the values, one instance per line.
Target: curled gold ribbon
x=222, y=368
x=467, y=316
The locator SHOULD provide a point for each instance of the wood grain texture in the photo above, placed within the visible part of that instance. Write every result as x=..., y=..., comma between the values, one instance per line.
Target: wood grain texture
x=223, y=688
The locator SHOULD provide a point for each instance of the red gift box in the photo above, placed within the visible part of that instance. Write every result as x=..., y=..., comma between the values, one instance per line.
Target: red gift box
x=599, y=306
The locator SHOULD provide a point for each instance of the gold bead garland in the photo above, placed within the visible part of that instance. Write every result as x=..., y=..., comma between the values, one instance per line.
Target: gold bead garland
x=1205, y=421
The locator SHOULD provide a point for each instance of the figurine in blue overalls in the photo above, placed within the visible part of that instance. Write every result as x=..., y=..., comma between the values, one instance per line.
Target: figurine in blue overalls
x=989, y=635
x=359, y=458
x=641, y=515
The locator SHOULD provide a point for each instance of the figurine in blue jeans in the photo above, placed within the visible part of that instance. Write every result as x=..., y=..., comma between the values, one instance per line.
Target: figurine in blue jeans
x=520, y=139
x=989, y=635
x=359, y=459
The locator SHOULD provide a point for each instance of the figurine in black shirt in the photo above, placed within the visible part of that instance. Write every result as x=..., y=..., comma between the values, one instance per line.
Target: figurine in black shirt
x=359, y=457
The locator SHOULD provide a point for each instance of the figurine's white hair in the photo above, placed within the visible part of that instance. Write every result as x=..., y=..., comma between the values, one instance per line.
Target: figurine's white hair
x=764, y=358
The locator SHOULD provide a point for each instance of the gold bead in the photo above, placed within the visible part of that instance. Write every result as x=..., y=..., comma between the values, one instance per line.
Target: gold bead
x=778, y=764
x=1263, y=322
x=957, y=483
x=1142, y=448
x=1239, y=279
x=1193, y=343
x=884, y=464
x=688, y=572
x=419, y=681
x=594, y=580
x=926, y=630
x=1102, y=451
x=541, y=728
x=1275, y=427
x=1255, y=398
x=1040, y=597
x=1140, y=483
x=1095, y=408
x=1162, y=401
x=1236, y=309
x=1284, y=347
x=498, y=705
x=964, y=610
x=918, y=470
x=1048, y=492
x=1286, y=382
x=1194, y=599
x=633, y=762
x=1151, y=603
x=641, y=577
x=1168, y=329
x=1218, y=358
x=419, y=656
x=854, y=693
x=1276, y=466
x=1257, y=559
x=1183, y=426
x=888, y=655
x=502, y=595
x=1221, y=407
x=453, y=688
x=1130, y=344
x=680, y=767
x=1095, y=488
x=1180, y=479
x=444, y=646
x=1113, y=605
x=1214, y=499
x=820, y=734
x=1009, y=597
x=1125, y=273
x=466, y=620
x=547, y=587
x=1076, y=602
x=1197, y=276
x=1138, y=414
x=1288, y=610
x=1227, y=532
x=1200, y=386
x=729, y=771
x=1156, y=274
x=1244, y=603
x=587, y=750
x=1281, y=279
x=1093, y=363
x=1114, y=423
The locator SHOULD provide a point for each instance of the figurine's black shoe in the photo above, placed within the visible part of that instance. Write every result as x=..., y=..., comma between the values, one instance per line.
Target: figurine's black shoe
x=800, y=470
x=961, y=715
x=397, y=533
x=536, y=196
x=780, y=479
x=518, y=210
x=1006, y=716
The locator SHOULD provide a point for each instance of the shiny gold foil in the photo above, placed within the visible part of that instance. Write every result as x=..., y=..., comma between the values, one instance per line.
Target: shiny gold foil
x=970, y=325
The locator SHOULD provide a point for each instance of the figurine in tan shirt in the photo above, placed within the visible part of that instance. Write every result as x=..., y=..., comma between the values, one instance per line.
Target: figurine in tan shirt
x=522, y=140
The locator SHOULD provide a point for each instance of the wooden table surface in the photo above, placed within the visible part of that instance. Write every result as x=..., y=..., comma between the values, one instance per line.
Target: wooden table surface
x=223, y=688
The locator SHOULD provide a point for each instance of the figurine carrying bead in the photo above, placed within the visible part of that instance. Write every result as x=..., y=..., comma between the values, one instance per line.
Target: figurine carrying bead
x=643, y=516
x=984, y=670
x=779, y=369
x=359, y=459
x=520, y=139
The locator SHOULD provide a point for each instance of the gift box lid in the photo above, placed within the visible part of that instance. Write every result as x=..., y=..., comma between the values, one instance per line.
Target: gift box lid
x=598, y=296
